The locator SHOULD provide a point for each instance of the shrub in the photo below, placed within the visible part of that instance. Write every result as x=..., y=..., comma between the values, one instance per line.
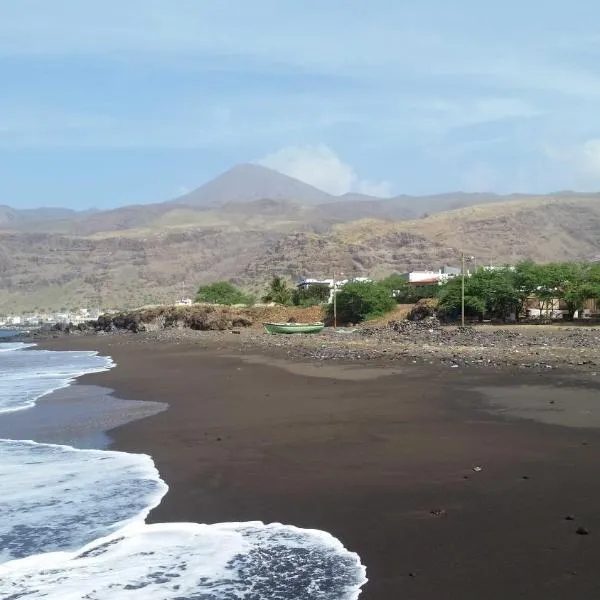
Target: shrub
x=311, y=295
x=222, y=292
x=360, y=301
x=405, y=293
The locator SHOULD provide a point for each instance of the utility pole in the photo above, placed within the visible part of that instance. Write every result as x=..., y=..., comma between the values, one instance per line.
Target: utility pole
x=334, y=303
x=335, y=297
x=462, y=291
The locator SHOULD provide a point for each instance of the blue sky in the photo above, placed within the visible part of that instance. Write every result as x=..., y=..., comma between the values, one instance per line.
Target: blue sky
x=111, y=103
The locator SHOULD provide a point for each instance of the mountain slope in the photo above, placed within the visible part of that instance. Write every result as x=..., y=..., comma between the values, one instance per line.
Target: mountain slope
x=249, y=243
x=22, y=217
x=248, y=182
x=257, y=192
x=540, y=229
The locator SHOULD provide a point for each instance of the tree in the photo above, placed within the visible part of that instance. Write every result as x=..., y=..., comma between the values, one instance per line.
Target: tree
x=526, y=280
x=396, y=284
x=311, y=295
x=577, y=283
x=405, y=293
x=278, y=292
x=450, y=300
x=488, y=292
x=501, y=292
x=359, y=301
x=568, y=282
x=496, y=287
x=222, y=292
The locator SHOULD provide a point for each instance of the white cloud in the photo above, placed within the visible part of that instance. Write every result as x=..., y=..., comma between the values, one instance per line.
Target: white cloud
x=406, y=41
x=441, y=116
x=480, y=177
x=591, y=156
x=578, y=165
x=383, y=189
x=584, y=157
x=321, y=167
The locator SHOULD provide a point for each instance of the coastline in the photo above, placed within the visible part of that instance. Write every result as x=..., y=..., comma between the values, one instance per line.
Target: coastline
x=384, y=462
x=78, y=415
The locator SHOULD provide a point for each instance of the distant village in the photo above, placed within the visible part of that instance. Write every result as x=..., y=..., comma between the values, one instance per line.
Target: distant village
x=81, y=315
x=416, y=279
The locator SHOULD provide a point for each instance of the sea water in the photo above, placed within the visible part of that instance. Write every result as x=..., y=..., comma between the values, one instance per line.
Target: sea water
x=72, y=521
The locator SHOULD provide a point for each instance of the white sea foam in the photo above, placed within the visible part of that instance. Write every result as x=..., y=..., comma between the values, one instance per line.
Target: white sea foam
x=72, y=522
x=66, y=498
x=187, y=561
x=27, y=376
x=11, y=346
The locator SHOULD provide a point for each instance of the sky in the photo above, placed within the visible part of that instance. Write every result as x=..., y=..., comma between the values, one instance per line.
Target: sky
x=109, y=103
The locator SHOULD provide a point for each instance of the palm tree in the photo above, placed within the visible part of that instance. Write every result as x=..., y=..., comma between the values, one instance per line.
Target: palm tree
x=278, y=291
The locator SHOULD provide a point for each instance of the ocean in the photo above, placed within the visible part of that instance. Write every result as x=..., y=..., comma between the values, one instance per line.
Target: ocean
x=72, y=520
x=8, y=333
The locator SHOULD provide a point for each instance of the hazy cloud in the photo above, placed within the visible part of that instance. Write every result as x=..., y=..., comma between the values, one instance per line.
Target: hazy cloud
x=577, y=165
x=432, y=95
x=480, y=177
x=321, y=167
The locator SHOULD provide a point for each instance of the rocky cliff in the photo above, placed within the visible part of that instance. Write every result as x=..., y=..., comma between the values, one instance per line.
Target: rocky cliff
x=144, y=265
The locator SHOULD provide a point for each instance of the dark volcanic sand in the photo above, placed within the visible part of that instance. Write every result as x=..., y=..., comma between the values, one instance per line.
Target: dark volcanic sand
x=368, y=455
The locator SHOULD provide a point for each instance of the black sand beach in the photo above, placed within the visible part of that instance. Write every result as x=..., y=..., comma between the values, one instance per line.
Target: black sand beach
x=442, y=480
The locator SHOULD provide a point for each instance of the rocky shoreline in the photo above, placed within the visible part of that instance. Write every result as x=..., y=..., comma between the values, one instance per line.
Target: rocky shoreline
x=532, y=347
x=525, y=347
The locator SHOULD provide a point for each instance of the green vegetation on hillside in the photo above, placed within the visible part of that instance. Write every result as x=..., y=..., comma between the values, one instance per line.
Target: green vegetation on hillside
x=360, y=301
x=312, y=295
x=405, y=293
x=223, y=292
x=489, y=293
x=503, y=292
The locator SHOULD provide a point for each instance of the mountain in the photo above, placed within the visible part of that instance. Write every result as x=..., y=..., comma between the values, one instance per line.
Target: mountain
x=541, y=229
x=251, y=223
x=225, y=200
x=251, y=241
x=12, y=216
x=248, y=182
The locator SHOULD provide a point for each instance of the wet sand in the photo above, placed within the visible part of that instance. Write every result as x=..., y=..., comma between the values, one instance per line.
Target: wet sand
x=79, y=416
x=382, y=457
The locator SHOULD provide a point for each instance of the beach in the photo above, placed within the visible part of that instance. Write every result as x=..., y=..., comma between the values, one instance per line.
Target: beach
x=448, y=482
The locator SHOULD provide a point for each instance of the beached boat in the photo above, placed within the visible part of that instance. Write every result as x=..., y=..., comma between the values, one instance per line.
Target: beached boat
x=293, y=327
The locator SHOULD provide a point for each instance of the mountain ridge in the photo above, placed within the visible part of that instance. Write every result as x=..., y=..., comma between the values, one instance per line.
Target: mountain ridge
x=248, y=243
x=140, y=254
x=248, y=183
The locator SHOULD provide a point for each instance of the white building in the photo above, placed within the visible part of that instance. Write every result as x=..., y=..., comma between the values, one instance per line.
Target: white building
x=432, y=277
x=331, y=283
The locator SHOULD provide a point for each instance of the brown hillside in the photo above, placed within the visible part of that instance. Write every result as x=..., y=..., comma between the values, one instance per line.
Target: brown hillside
x=135, y=266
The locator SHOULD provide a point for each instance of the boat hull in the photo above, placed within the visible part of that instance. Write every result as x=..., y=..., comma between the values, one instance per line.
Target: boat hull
x=273, y=328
